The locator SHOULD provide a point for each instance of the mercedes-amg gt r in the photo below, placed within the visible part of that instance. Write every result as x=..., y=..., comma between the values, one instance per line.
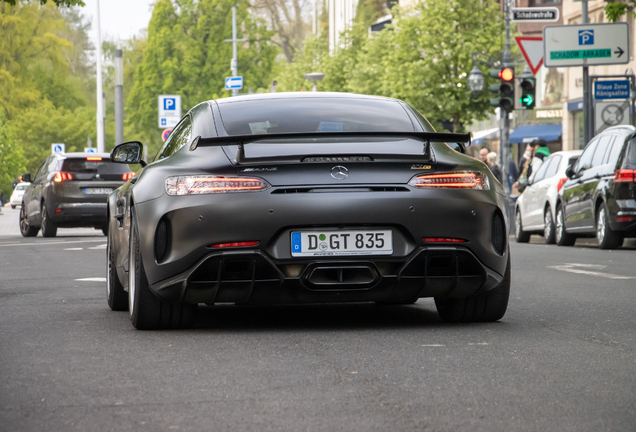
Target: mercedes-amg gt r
x=292, y=198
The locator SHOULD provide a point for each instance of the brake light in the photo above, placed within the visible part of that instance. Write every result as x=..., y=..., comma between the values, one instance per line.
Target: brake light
x=235, y=244
x=624, y=218
x=454, y=180
x=203, y=184
x=93, y=158
x=624, y=176
x=442, y=240
x=127, y=176
x=62, y=176
x=561, y=183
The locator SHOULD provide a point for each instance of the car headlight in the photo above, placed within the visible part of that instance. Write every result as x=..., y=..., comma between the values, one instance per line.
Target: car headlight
x=208, y=184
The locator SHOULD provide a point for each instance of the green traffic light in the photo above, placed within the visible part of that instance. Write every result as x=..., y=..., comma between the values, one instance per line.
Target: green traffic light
x=527, y=100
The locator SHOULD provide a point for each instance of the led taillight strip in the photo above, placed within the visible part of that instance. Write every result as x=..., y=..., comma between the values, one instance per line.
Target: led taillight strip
x=196, y=185
x=460, y=180
x=235, y=244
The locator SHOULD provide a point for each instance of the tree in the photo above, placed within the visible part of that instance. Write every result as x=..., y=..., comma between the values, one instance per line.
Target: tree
x=290, y=21
x=186, y=54
x=57, y=2
x=615, y=9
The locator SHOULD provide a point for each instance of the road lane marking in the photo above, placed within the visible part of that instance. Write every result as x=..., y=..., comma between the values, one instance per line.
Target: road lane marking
x=95, y=279
x=574, y=268
x=101, y=246
x=44, y=243
x=74, y=249
x=479, y=343
x=433, y=345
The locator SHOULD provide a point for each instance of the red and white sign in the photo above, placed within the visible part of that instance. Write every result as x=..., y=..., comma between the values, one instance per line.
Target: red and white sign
x=166, y=133
x=532, y=49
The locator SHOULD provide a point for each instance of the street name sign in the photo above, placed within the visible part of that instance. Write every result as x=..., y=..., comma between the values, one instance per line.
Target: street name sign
x=586, y=45
x=535, y=14
x=169, y=110
x=234, y=83
x=90, y=150
x=532, y=49
x=57, y=148
x=614, y=89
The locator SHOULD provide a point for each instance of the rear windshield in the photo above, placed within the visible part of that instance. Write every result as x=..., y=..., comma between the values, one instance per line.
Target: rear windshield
x=256, y=117
x=84, y=166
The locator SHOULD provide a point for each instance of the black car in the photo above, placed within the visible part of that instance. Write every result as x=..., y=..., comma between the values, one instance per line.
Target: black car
x=599, y=199
x=69, y=190
x=293, y=198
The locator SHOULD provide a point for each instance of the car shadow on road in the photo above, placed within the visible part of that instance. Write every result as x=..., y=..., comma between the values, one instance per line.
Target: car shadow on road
x=356, y=316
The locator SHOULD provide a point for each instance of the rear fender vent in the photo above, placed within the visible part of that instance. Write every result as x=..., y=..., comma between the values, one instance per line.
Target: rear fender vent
x=498, y=233
x=162, y=239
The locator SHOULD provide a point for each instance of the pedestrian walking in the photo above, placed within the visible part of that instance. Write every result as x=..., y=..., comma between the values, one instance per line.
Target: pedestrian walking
x=491, y=160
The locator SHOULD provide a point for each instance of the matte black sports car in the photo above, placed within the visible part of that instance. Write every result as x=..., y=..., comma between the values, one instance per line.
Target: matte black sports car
x=292, y=198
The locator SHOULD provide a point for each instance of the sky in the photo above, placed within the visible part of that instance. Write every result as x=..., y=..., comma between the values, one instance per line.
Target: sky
x=120, y=19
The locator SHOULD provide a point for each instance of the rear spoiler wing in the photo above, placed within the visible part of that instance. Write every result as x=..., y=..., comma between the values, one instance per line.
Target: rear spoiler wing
x=242, y=140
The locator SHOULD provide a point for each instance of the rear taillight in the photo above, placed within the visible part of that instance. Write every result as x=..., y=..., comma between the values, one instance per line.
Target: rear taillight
x=127, y=176
x=561, y=183
x=202, y=184
x=235, y=244
x=624, y=176
x=62, y=176
x=453, y=180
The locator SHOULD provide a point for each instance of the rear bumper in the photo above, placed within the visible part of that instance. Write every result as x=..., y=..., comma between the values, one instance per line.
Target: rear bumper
x=80, y=214
x=625, y=218
x=253, y=277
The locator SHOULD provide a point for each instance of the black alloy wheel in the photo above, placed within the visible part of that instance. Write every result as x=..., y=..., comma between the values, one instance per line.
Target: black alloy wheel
x=521, y=236
x=26, y=229
x=562, y=237
x=49, y=229
x=607, y=239
x=487, y=307
x=116, y=295
x=147, y=311
x=549, y=227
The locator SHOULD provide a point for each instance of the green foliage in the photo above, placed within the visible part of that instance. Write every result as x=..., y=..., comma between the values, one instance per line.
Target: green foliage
x=57, y=2
x=613, y=11
x=186, y=54
x=12, y=160
x=424, y=58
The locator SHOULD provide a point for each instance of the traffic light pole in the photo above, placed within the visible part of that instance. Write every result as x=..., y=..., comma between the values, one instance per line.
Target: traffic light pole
x=588, y=128
x=504, y=132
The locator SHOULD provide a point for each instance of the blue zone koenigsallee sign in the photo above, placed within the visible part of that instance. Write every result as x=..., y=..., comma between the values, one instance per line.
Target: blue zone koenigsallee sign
x=615, y=89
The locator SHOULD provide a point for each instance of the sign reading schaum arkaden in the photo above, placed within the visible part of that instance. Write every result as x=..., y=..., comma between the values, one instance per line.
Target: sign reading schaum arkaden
x=585, y=45
x=169, y=110
x=614, y=89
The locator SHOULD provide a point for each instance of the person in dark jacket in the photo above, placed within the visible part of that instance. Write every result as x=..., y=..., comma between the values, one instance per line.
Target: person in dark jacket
x=492, y=164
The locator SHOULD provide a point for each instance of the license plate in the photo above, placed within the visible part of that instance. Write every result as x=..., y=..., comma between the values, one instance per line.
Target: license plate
x=97, y=191
x=339, y=243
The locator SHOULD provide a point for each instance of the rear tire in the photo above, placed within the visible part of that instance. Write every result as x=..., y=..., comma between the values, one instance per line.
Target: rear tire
x=562, y=237
x=549, y=227
x=147, y=311
x=49, y=229
x=26, y=229
x=521, y=236
x=116, y=295
x=607, y=239
x=487, y=307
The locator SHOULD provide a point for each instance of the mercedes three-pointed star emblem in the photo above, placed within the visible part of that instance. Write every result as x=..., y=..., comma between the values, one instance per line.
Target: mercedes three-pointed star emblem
x=339, y=172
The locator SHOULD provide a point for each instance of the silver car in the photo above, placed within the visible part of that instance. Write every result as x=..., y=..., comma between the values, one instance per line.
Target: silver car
x=535, y=208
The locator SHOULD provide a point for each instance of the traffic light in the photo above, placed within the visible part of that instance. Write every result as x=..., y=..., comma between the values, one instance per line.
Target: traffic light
x=528, y=90
x=505, y=89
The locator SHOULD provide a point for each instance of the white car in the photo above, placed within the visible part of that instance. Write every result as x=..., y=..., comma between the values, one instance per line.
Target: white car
x=18, y=193
x=535, y=207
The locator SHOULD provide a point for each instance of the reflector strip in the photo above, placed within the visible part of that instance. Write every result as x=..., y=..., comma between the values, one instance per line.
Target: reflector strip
x=235, y=244
x=442, y=240
x=624, y=218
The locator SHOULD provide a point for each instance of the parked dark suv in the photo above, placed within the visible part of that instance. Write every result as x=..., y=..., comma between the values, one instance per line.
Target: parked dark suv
x=70, y=191
x=599, y=199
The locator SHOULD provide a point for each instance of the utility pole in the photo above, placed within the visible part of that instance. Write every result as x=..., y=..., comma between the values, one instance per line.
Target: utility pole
x=100, y=92
x=119, y=96
x=504, y=133
x=234, y=40
x=588, y=128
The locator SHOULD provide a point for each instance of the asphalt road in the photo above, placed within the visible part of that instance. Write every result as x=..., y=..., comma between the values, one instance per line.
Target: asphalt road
x=562, y=359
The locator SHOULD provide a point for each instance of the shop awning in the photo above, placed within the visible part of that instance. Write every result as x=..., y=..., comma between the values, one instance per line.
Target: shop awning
x=478, y=137
x=527, y=134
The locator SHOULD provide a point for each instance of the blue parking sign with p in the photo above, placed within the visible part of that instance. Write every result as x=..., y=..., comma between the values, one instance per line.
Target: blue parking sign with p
x=586, y=37
x=170, y=104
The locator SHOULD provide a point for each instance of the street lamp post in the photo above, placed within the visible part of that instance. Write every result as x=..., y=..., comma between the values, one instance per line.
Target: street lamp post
x=314, y=77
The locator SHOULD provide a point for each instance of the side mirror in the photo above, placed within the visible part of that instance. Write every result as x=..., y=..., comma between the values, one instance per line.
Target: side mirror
x=569, y=171
x=458, y=147
x=26, y=178
x=128, y=153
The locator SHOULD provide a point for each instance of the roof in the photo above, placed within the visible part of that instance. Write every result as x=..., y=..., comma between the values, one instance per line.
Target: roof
x=298, y=95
